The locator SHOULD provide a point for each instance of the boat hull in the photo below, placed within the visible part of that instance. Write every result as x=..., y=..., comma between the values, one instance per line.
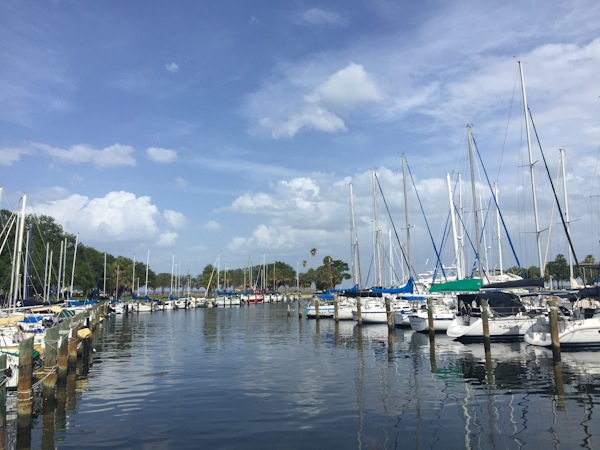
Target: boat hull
x=573, y=333
x=502, y=329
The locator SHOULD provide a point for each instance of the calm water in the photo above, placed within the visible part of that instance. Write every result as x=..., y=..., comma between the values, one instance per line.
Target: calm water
x=253, y=378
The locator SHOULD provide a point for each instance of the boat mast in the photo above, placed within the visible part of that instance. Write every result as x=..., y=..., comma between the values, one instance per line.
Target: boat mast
x=59, y=273
x=147, y=263
x=532, y=173
x=74, y=258
x=562, y=163
x=498, y=227
x=355, y=250
x=172, y=274
x=19, y=251
x=408, y=260
x=104, y=284
x=454, y=234
x=133, y=278
x=376, y=243
x=475, y=216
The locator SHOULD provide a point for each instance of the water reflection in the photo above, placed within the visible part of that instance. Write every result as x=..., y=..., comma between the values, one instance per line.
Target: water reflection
x=290, y=382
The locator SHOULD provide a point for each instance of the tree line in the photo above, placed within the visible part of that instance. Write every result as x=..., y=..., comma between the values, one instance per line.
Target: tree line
x=89, y=280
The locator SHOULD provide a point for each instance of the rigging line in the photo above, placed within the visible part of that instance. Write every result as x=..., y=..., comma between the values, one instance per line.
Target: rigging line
x=423, y=212
x=507, y=122
x=498, y=208
x=562, y=218
x=404, y=257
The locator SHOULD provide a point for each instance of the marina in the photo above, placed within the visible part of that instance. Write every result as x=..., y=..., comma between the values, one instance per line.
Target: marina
x=259, y=376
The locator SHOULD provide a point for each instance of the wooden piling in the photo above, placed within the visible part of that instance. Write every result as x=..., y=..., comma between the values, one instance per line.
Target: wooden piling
x=73, y=343
x=486, y=325
x=4, y=378
x=336, y=315
x=316, y=305
x=553, y=315
x=50, y=362
x=430, y=319
x=63, y=348
x=24, y=398
x=358, y=311
x=388, y=313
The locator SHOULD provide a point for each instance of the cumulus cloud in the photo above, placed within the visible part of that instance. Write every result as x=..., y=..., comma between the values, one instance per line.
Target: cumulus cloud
x=347, y=89
x=212, y=225
x=317, y=16
x=112, y=156
x=161, y=155
x=181, y=182
x=10, y=155
x=321, y=109
x=118, y=216
x=167, y=239
x=172, y=67
x=175, y=219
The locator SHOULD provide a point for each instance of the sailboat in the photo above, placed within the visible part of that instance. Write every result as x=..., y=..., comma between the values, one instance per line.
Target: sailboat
x=509, y=318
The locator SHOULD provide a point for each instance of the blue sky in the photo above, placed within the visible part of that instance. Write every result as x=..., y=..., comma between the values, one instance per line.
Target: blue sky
x=197, y=129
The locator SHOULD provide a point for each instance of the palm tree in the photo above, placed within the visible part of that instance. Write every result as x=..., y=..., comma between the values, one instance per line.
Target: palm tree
x=313, y=251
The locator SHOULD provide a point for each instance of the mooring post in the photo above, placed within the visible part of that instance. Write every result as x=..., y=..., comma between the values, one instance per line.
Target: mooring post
x=486, y=325
x=73, y=343
x=64, y=329
x=358, y=311
x=24, y=398
x=300, y=307
x=316, y=305
x=50, y=362
x=388, y=313
x=554, y=330
x=5, y=372
x=336, y=315
x=430, y=318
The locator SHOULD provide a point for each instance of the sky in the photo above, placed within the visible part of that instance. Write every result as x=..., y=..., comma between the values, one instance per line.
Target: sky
x=231, y=131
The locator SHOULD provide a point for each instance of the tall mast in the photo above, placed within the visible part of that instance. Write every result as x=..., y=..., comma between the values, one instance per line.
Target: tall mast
x=46, y=271
x=133, y=278
x=59, y=273
x=562, y=163
x=376, y=240
x=532, y=173
x=454, y=233
x=172, y=274
x=147, y=264
x=498, y=238
x=104, y=284
x=74, y=258
x=475, y=206
x=408, y=260
x=355, y=250
x=19, y=251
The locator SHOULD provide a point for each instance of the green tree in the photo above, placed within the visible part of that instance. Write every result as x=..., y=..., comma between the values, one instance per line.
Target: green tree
x=331, y=273
x=557, y=269
x=307, y=278
x=208, y=277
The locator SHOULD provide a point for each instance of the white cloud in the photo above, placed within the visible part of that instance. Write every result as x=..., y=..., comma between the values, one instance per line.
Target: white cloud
x=347, y=89
x=8, y=156
x=175, y=219
x=172, y=67
x=344, y=91
x=212, y=225
x=118, y=216
x=317, y=16
x=112, y=156
x=181, y=182
x=161, y=155
x=167, y=239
